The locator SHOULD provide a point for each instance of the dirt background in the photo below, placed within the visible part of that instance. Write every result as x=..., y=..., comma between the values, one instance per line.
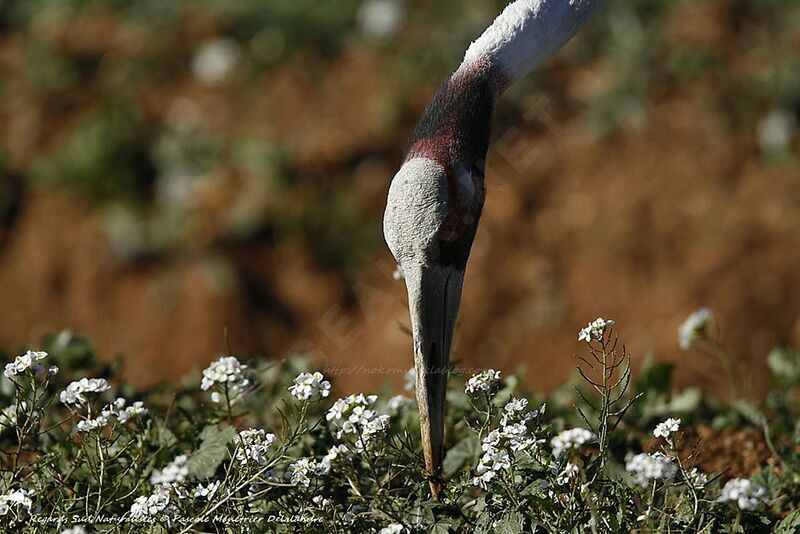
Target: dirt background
x=673, y=210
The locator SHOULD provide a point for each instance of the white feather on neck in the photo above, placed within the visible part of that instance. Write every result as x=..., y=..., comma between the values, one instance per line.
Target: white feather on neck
x=527, y=32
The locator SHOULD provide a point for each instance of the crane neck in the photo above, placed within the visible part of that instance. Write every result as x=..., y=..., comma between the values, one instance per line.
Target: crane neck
x=528, y=32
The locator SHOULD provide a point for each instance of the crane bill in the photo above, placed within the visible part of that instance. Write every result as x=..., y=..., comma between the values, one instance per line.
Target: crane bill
x=434, y=295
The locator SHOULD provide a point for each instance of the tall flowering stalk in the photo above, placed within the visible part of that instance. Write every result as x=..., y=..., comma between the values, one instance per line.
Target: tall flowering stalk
x=608, y=372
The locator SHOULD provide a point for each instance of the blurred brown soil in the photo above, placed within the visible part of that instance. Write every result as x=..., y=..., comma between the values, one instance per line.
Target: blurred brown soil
x=643, y=228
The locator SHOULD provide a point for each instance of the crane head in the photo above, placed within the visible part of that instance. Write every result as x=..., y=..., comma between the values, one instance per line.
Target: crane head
x=430, y=221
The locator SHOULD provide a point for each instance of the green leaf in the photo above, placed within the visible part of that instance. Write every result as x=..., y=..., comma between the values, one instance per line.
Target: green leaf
x=790, y=524
x=750, y=412
x=166, y=438
x=510, y=523
x=464, y=453
x=769, y=480
x=204, y=461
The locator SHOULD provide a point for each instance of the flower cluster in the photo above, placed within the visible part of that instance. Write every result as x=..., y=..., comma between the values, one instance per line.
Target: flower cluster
x=745, y=494
x=380, y=19
x=28, y=362
x=697, y=479
x=566, y=475
x=335, y=454
x=175, y=472
x=74, y=394
x=227, y=373
x=647, y=467
x=122, y=413
x=393, y=528
x=310, y=386
x=666, y=428
x=14, y=500
x=574, y=438
x=500, y=444
x=87, y=425
x=253, y=445
x=207, y=491
x=9, y=416
x=321, y=501
x=397, y=403
x=484, y=382
x=303, y=470
x=594, y=330
x=694, y=327
x=115, y=410
x=352, y=415
x=146, y=507
x=215, y=61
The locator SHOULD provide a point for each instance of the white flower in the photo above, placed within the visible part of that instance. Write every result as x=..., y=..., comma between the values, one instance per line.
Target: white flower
x=309, y=386
x=486, y=381
x=373, y=430
x=380, y=19
x=744, y=493
x=516, y=405
x=25, y=362
x=207, y=491
x=342, y=408
x=14, y=500
x=397, y=403
x=137, y=409
x=697, y=479
x=594, y=330
x=226, y=373
x=775, y=131
x=253, y=445
x=410, y=380
x=87, y=425
x=302, y=471
x=663, y=430
x=573, y=438
x=75, y=391
x=321, y=501
x=393, y=528
x=118, y=410
x=337, y=452
x=146, y=507
x=10, y=416
x=494, y=460
x=694, y=327
x=352, y=415
x=569, y=472
x=215, y=60
x=500, y=444
x=484, y=479
x=77, y=529
x=176, y=471
x=647, y=467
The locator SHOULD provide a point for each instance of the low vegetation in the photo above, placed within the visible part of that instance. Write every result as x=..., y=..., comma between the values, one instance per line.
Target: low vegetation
x=265, y=447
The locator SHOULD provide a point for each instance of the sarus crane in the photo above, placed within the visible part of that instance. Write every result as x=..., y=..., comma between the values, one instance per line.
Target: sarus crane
x=436, y=198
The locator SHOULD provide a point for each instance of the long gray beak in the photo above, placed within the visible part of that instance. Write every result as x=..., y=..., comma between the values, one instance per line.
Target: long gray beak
x=434, y=294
